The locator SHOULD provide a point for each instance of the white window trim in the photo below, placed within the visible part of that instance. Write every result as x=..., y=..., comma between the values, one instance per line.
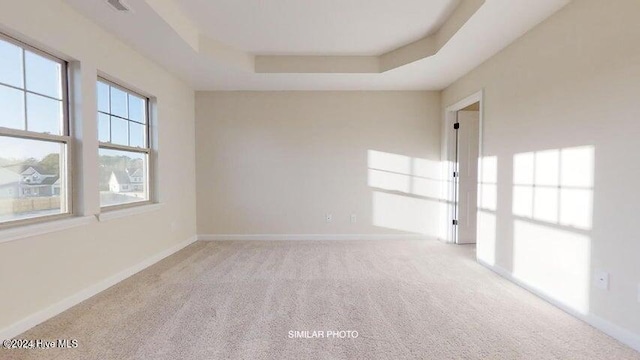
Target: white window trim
x=133, y=209
x=65, y=138
x=148, y=150
x=43, y=228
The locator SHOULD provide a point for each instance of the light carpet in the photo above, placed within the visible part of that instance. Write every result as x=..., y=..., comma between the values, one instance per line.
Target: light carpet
x=240, y=300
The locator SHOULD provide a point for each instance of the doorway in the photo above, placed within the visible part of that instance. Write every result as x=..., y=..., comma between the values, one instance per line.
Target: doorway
x=466, y=173
x=463, y=149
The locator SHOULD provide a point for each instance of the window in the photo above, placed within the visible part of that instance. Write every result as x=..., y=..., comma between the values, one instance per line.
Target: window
x=34, y=134
x=123, y=133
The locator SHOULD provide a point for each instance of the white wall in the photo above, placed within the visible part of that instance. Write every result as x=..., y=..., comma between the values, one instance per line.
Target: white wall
x=39, y=271
x=277, y=162
x=572, y=86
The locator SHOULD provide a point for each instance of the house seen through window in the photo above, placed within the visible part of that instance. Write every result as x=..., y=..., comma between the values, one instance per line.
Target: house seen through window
x=34, y=134
x=123, y=133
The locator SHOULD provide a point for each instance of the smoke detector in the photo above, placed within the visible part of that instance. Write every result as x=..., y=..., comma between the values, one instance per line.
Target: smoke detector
x=120, y=6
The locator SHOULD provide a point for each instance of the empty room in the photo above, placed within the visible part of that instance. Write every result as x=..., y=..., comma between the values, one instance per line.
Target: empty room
x=319, y=179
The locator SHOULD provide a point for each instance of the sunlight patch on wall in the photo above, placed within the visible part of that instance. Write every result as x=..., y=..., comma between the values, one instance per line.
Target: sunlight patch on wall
x=395, y=163
x=389, y=181
x=426, y=174
x=405, y=213
x=555, y=186
x=488, y=184
x=394, y=172
x=408, y=193
x=486, y=238
x=487, y=205
x=555, y=262
x=553, y=205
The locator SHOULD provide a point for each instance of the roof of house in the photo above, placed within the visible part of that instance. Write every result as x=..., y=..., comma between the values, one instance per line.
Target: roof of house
x=47, y=180
x=26, y=169
x=135, y=172
x=50, y=180
x=121, y=177
x=30, y=169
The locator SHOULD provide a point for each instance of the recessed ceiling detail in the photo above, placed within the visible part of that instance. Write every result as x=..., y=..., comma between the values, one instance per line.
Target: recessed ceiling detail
x=427, y=46
x=319, y=44
x=318, y=27
x=419, y=49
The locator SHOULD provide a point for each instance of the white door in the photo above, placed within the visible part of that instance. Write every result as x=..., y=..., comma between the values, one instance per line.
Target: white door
x=467, y=193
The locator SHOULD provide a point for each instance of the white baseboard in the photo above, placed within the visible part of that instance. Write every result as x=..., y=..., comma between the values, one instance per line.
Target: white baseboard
x=619, y=333
x=36, y=318
x=270, y=237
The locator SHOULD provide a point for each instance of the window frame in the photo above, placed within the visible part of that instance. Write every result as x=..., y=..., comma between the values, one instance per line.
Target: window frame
x=66, y=136
x=147, y=150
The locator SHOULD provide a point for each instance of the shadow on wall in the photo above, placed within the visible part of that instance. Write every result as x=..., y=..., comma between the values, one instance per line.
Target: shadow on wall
x=551, y=210
x=407, y=195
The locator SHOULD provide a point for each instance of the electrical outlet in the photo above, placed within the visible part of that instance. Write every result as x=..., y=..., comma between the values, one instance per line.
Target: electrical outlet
x=602, y=279
x=329, y=218
x=354, y=218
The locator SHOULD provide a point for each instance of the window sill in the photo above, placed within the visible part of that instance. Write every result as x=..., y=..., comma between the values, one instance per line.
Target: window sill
x=20, y=232
x=128, y=211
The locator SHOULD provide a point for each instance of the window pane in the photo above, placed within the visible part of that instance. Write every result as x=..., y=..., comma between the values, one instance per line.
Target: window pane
x=104, y=128
x=43, y=75
x=119, y=103
x=103, y=97
x=123, y=177
x=44, y=114
x=11, y=108
x=136, y=135
x=31, y=178
x=137, y=109
x=10, y=64
x=119, y=131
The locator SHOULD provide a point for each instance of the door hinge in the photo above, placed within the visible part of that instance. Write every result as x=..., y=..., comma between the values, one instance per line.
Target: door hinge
x=456, y=126
x=455, y=174
x=455, y=222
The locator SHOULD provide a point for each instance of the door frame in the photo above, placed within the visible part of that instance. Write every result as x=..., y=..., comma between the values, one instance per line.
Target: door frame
x=449, y=161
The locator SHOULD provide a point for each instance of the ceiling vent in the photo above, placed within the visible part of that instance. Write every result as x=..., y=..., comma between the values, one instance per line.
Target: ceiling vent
x=119, y=5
